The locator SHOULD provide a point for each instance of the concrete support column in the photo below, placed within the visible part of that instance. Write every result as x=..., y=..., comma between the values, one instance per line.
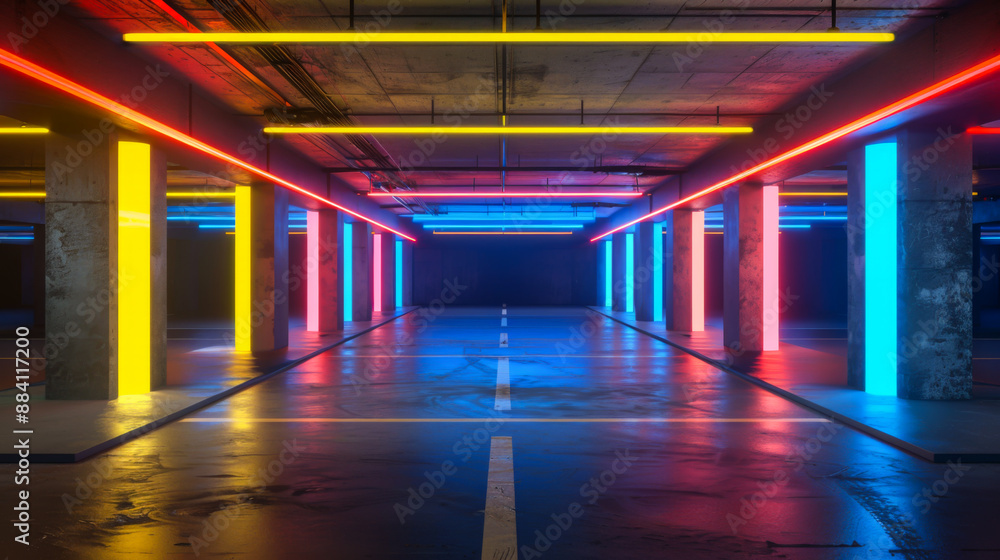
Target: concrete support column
x=325, y=285
x=910, y=325
x=619, y=291
x=94, y=258
x=750, y=268
x=602, y=276
x=934, y=321
x=407, y=274
x=268, y=267
x=645, y=263
x=388, y=241
x=689, y=270
x=668, y=269
x=361, y=271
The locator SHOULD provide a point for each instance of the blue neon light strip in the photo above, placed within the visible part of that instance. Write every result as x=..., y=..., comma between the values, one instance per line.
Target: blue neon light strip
x=607, y=273
x=513, y=219
x=781, y=226
x=629, y=273
x=658, y=271
x=399, y=273
x=880, y=269
x=348, y=275
x=17, y=237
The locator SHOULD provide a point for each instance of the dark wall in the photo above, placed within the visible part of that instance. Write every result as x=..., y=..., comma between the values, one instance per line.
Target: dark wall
x=516, y=270
x=813, y=269
x=200, y=283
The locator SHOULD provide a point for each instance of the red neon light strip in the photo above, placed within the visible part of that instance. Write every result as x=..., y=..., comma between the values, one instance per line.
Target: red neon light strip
x=697, y=271
x=984, y=130
x=377, y=281
x=35, y=71
x=771, y=301
x=921, y=96
x=499, y=194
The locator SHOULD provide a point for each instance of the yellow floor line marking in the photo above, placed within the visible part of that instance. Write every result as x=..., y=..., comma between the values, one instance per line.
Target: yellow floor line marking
x=502, y=401
x=500, y=524
x=492, y=419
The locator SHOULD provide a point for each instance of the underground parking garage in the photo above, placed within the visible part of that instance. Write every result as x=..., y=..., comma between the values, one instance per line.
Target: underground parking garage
x=500, y=280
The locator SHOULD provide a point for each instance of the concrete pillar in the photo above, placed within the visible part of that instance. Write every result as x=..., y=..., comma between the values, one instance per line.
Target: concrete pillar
x=38, y=280
x=361, y=271
x=934, y=322
x=750, y=236
x=269, y=267
x=645, y=263
x=668, y=269
x=689, y=270
x=388, y=241
x=82, y=267
x=602, y=276
x=325, y=311
x=619, y=291
x=930, y=353
x=407, y=273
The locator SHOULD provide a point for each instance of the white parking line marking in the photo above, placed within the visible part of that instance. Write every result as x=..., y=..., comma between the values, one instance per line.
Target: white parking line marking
x=500, y=524
x=503, y=340
x=502, y=401
x=503, y=322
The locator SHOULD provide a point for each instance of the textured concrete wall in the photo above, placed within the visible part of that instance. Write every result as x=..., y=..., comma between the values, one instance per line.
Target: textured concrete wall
x=81, y=262
x=619, y=291
x=158, y=262
x=361, y=271
x=668, y=269
x=644, y=264
x=269, y=267
x=856, y=269
x=743, y=267
x=934, y=277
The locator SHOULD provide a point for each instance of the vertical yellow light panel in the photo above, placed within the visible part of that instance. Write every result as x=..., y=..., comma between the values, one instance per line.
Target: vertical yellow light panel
x=133, y=268
x=244, y=309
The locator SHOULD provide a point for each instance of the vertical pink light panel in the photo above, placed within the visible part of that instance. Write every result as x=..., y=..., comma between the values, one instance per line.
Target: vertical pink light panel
x=377, y=280
x=771, y=304
x=312, y=271
x=697, y=271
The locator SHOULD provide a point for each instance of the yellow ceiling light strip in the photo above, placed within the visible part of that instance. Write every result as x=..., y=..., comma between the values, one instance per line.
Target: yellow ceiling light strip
x=196, y=194
x=577, y=37
x=22, y=194
x=512, y=130
x=23, y=130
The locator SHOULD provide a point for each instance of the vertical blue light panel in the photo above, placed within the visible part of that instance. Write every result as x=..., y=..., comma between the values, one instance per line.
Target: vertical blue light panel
x=399, y=273
x=629, y=273
x=658, y=271
x=607, y=273
x=880, y=269
x=348, y=274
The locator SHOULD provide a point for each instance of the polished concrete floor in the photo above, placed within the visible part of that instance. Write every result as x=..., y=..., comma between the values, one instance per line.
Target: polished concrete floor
x=622, y=447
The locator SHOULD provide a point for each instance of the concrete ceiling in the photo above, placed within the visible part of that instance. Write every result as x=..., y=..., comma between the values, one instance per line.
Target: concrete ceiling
x=392, y=84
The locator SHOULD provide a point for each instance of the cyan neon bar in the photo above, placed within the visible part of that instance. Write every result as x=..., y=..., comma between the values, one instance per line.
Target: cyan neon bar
x=348, y=274
x=377, y=273
x=134, y=275
x=399, y=273
x=244, y=280
x=771, y=302
x=629, y=273
x=312, y=271
x=880, y=268
x=658, y=271
x=608, y=251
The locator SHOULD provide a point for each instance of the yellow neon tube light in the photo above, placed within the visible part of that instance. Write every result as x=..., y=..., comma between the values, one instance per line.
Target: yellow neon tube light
x=22, y=194
x=833, y=193
x=134, y=337
x=521, y=130
x=196, y=194
x=23, y=130
x=244, y=307
x=578, y=37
